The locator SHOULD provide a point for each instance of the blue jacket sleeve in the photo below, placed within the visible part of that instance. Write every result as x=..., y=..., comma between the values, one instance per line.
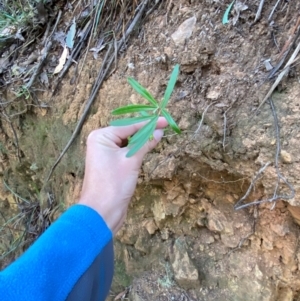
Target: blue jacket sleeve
x=72, y=260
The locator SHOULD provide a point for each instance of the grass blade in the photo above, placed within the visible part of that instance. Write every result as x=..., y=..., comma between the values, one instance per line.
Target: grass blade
x=150, y=127
x=142, y=91
x=226, y=14
x=170, y=86
x=132, y=109
x=144, y=131
x=171, y=121
x=129, y=121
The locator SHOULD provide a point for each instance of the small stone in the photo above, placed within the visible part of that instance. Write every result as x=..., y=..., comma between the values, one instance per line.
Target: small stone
x=158, y=211
x=184, y=31
x=150, y=226
x=185, y=273
x=286, y=157
x=213, y=95
x=142, y=243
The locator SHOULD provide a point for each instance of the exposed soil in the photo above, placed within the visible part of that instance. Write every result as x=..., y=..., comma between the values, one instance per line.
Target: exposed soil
x=182, y=239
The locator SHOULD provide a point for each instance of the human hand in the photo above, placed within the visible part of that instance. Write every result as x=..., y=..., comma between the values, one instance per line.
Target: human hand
x=110, y=178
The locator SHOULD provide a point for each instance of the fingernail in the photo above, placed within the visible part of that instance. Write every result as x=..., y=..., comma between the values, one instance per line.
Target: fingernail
x=158, y=135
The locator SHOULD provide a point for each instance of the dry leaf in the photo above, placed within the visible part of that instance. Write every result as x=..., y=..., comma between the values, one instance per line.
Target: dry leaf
x=62, y=60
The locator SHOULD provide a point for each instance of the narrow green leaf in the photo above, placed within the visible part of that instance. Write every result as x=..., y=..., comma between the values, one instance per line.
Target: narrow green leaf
x=142, y=91
x=226, y=14
x=143, y=113
x=171, y=121
x=132, y=109
x=170, y=86
x=143, y=140
x=144, y=131
x=129, y=121
x=71, y=35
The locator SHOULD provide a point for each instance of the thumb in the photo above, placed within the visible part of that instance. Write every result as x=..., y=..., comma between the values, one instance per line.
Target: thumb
x=151, y=144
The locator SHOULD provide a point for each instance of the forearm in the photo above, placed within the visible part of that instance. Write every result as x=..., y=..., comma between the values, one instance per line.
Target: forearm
x=60, y=260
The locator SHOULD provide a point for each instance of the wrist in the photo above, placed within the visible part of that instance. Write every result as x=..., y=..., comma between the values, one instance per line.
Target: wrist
x=113, y=217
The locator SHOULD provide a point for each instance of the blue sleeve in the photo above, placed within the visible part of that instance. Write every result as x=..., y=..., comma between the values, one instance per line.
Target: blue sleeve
x=72, y=260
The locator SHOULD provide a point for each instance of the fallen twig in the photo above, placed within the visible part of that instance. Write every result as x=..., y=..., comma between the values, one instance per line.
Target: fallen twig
x=201, y=121
x=280, y=76
x=273, y=10
x=43, y=57
x=262, y=169
x=259, y=10
x=225, y=124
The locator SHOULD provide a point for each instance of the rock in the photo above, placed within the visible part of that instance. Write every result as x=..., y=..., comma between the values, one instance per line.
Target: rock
x=143, y=242
x=150, y=226
x=286, y=157
x=285, y=294
x=185, y=273
x=295, y=212
x=213, y=95
x=184, y=31
x=158, y=211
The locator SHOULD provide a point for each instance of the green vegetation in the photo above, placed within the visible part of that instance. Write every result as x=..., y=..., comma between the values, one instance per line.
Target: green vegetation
x=148, y=113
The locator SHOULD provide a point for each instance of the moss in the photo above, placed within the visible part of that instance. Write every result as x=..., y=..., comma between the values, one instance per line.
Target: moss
x=120, y=276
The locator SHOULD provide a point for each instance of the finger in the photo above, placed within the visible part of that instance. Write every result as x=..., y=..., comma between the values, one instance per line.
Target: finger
x=126, y=131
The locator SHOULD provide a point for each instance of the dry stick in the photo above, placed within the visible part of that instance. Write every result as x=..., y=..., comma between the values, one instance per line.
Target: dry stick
x=44, y=56
x=225, y=124
x=279, y=175
x=237, y=207
x=202, y=119
x=100, y=78
x=258, y=14
x=273, y=10
x=281, y=75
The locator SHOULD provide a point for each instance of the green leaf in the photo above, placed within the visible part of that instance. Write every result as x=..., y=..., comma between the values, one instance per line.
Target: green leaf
x=143, y=113
x=142, y=131
x=171, y=121
x=142, y=91
x=170, y=86
x=71, y=35
x=147, y=131
x=129, y=121
x=132, y=109
x=226, y=14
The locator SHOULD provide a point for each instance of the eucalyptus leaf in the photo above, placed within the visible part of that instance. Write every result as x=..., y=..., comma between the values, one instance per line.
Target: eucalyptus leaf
x=142, y=91
x=129, y=121
x=144, y=131
x=135, y=147
x=171, y=121
x=71, y=35
x=226, y=14
x=170, y=86
x=132, y=109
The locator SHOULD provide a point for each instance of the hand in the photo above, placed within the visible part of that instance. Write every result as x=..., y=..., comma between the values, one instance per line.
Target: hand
x=110, y=178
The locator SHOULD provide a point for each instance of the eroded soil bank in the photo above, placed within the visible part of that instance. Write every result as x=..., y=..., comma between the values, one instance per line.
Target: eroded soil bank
x=182, y=239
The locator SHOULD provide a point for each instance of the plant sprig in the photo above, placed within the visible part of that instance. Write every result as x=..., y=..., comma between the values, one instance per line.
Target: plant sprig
x=147, y=113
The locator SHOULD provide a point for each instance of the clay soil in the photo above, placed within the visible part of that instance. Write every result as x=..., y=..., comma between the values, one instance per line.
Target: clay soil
x=183, y=239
